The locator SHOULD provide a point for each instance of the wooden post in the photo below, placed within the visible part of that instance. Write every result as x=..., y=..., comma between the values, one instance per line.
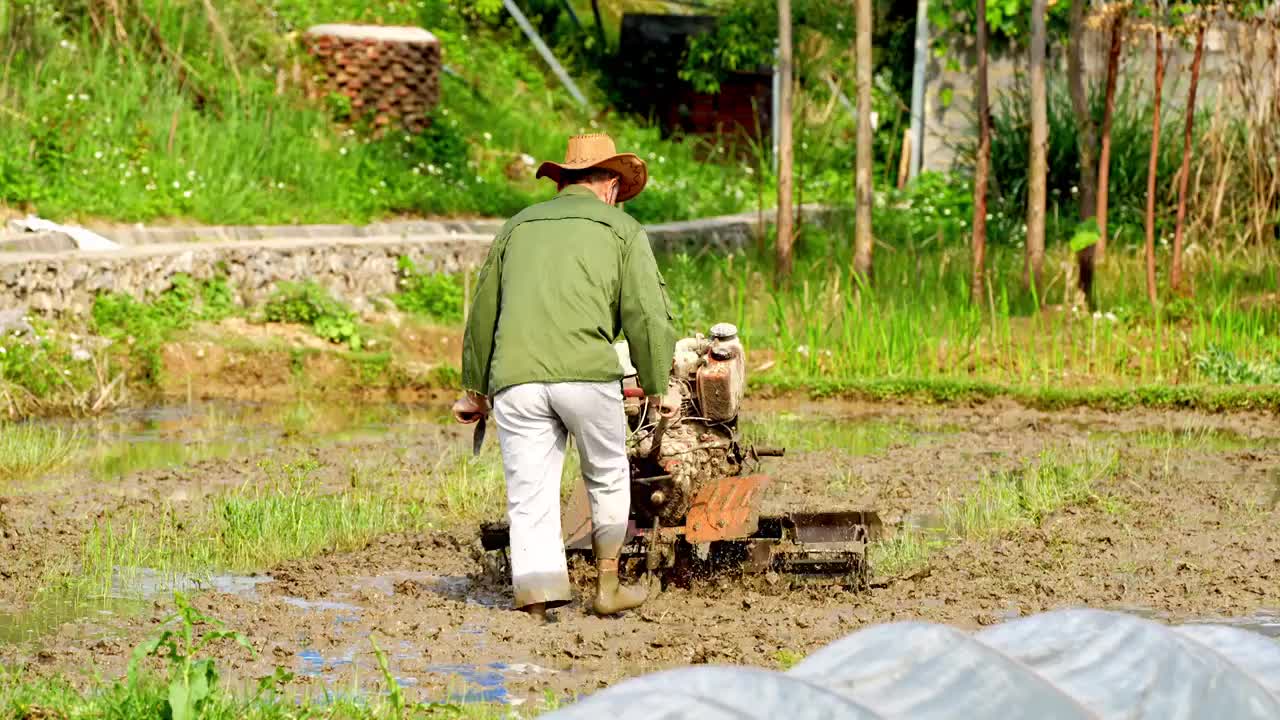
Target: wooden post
x=862, y=244
x=982, y=163
x=784, y=224
x=1038, y=171
x=1175, y=272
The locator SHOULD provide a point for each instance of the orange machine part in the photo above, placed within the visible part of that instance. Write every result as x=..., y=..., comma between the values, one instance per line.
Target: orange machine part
x=726, y=509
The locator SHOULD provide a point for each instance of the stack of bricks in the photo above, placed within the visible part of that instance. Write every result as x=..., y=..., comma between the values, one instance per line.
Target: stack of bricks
x=390, y=74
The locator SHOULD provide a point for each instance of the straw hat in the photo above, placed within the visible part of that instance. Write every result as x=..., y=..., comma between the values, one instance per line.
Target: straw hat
x=598, y=150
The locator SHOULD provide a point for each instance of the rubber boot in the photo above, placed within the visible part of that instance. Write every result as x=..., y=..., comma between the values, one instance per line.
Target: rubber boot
x=612, y=597
x=537, y=611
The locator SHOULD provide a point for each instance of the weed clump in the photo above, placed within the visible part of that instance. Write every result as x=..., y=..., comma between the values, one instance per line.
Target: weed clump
x=1222, y=366
x=437, y=295
x=28, y=451
x=145, y=325
x=307, y=303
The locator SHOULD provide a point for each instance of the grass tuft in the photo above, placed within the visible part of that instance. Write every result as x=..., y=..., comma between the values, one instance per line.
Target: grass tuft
x=1003, y=502
x=29, y=451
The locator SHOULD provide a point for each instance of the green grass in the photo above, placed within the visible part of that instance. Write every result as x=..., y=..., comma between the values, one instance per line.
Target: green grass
x=901, y=554
x=30, y=451
x=146, y=698
x=285, y=514
x=1010, y=500
x=1001, y=503
x=914, y=333
x=797, y=433
x=96, y=125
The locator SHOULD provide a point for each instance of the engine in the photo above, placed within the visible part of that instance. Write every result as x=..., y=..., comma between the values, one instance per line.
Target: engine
x=691, y=438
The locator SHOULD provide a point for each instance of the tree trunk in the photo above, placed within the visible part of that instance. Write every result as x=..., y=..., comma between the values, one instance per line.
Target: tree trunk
x=1152, y=167
x=784, y=224
x=862, y=238
x=982, y=164
x=1039, y=162
x=1104, y=157
x=1086, y=141
x=1175, y=273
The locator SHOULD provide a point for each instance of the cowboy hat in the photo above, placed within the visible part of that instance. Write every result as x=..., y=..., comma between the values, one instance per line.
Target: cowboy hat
x=598, y=151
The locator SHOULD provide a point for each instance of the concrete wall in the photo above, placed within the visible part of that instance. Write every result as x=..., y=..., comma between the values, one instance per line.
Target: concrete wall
x=356, y=264
x=1238, y=73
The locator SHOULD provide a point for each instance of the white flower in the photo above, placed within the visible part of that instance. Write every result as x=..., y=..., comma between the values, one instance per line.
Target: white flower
x=97, y=155
x=415, y=170
x=3, y=351
x=146, y=170
x=186, y=193
x=84, y=98
x=176, y=184
x=661, y=159
x=527, y=159
x=749, y=171
x=488, y=137
x=342, y=151
x=191, y=174
x=280, y=186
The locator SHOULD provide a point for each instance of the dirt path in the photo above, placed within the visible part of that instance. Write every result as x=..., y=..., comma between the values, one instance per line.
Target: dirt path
x=1186, y=529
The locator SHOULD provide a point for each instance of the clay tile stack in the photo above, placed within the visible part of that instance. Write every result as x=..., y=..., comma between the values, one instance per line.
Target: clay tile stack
x=390, y=74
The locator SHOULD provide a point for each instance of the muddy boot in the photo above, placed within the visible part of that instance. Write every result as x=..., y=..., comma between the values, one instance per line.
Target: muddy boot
x=611, y=596
x=537, y=611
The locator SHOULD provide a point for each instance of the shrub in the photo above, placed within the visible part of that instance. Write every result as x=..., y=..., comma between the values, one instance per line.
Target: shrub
x=309, y=304
x=437, y=295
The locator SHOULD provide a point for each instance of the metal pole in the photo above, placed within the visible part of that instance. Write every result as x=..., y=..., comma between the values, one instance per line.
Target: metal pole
x=917, y=86
x=544, y=51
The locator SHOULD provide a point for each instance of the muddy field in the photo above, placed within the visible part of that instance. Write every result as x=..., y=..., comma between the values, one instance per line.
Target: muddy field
x=1184, y=529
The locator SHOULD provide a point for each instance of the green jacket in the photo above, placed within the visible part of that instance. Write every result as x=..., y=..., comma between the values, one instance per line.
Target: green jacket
x=563, y=280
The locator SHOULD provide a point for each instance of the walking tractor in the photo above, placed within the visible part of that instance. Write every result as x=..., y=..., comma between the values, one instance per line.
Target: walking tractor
x=697, y=486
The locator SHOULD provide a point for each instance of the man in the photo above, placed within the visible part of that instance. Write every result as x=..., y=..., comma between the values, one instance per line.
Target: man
x=562, y=280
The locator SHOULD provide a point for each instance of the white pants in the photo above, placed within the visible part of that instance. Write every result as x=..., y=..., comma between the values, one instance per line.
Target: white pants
x=534, y=421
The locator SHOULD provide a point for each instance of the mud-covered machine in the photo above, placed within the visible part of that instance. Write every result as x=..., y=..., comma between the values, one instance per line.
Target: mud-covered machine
x=696, y=486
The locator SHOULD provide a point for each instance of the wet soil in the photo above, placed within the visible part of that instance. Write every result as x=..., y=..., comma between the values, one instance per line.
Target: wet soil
x=1186, y=530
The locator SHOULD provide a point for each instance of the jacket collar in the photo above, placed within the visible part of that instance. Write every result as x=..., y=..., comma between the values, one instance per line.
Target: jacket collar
x=577, y=191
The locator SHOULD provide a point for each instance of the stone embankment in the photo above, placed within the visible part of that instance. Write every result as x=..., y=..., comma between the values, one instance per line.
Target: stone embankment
x=45, y=274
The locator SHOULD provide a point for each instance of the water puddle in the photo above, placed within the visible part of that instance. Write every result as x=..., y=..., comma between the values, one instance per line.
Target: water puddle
x=163, y=437
x=148, y=584
x=52, y=613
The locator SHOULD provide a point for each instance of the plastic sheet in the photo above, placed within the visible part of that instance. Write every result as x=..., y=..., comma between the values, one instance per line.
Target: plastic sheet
x=1062, y=664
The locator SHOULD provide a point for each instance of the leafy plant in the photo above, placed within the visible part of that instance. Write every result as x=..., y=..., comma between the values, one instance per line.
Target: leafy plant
x=192, y=679
x=438, y=295
x=1222, y=366
x=307, y=303
x=144, y=325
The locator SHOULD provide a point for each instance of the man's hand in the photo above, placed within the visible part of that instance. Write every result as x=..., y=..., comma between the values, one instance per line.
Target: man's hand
x=470, y=408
